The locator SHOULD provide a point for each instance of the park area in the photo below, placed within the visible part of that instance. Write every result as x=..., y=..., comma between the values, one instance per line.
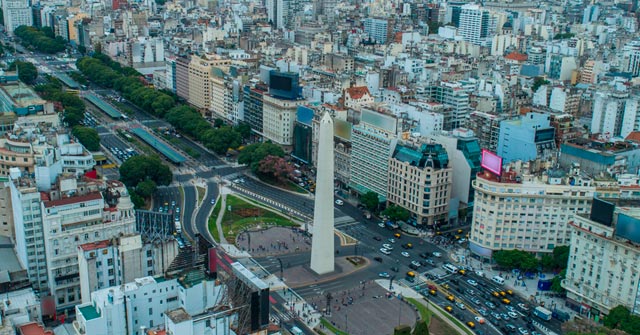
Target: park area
x=241, y=214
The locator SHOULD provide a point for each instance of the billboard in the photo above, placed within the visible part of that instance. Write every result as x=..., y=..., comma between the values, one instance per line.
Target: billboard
x=491, y=162
x=628, y=227
x=602, y=212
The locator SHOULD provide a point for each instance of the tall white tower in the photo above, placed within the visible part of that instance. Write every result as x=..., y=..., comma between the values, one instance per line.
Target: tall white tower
x=322, y=253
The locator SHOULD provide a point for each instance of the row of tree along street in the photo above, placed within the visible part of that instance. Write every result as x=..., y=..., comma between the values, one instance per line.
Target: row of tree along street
x=100, y=69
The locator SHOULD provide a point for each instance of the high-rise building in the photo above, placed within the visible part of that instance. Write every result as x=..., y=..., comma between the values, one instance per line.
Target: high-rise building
x=278, y=118
x=420, y=180
x=631, y=60
x=464, y=152
x=486, y=127
x=526, y=211
x=80, y=218
x=121, y=260
x=615, y=113
x=377, y=29
x=452, y=95
x=604, y=256
x=372, y=143
x=16, y=13
x=474, y=24
x=529, y=137
x=591, y=14
x=253, y=98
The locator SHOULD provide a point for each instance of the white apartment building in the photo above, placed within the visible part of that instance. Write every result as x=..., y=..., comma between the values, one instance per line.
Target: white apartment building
x=16, y=13
x=153, y=303
x=631, y=57
x=603, y=262
x=525, y=211
x=615, y=113
x=278, y=119
x=73, y=219
x=474, y=24
x=121, y=260
x=372, y=143
x=28, y=229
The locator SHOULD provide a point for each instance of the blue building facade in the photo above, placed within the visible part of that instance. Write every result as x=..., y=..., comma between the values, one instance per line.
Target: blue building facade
x=527, y=138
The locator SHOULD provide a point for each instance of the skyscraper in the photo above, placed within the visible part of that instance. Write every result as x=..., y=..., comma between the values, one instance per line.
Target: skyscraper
x=474, y=23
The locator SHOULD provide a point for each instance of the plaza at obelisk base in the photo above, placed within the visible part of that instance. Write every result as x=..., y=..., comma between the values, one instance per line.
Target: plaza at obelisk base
x=322, y=252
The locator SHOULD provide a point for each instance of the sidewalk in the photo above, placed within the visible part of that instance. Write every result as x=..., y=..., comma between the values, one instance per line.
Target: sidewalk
x=526, y=287
x=408, y=292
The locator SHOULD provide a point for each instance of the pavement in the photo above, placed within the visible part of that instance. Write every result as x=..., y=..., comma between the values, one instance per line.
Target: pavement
x=526, y=287
x=273, y=241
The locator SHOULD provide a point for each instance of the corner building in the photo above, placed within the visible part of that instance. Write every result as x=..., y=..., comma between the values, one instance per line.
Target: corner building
x=526, y=212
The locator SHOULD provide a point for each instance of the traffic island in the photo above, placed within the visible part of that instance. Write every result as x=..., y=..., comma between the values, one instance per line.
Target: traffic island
x=302, y=276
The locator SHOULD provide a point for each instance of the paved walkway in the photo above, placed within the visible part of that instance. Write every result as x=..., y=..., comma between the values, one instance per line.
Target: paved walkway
x=273, y=241
x=411, y=293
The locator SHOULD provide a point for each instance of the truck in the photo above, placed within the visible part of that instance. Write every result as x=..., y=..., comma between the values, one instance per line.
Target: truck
x=542, y=313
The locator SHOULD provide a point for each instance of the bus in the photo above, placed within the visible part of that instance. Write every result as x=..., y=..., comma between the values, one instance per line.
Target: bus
x=542, y=313
x=450, y=268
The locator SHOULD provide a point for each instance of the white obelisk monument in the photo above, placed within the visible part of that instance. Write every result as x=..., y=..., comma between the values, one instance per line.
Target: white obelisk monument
x=322, y=252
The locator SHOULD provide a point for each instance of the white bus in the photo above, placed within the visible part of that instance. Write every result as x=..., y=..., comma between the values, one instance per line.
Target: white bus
x=450, y=268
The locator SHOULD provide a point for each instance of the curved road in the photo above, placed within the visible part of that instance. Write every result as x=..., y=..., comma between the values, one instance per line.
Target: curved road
x=202, y=216
x=189, y=206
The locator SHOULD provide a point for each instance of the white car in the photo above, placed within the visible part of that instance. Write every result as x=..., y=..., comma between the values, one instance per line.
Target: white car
x=472, y=282
x=416, y=263
x=387, y=246
x=385, y=251
x=339, y=202
x=523, y=307
x=213, y=201
x=512, y=315
x=436, y=254
x=405, y=254
x=381, y=224
x=460, y=305
x=479, y=319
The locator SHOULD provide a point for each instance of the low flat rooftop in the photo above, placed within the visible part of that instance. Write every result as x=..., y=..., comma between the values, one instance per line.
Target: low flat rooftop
x=22, y=95
x=178, y=315
x=89, y=312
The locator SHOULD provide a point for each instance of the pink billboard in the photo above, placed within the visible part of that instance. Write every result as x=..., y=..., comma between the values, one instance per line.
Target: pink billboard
x=491, y=162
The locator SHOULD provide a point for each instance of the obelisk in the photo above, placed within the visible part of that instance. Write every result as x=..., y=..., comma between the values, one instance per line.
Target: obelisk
x=322, y=252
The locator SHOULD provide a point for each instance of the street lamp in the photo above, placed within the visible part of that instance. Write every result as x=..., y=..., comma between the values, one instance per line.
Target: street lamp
x=281, y=270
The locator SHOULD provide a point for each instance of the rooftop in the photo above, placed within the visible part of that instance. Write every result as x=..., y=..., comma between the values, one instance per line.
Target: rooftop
x=95, y=245
x=10, y=261
x=73, y=200
x=34, y=329
x=357, y=92
x=178, y=315
x=89, y=312
x=159, y=145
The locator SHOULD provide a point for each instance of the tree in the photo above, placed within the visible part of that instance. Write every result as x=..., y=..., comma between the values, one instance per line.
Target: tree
x=370, y=200
x=244, y=129
x=515, y=259
x=140, y=168
x=138, y=201
x=422, y=328
x=27, y=72
x=88, y=137
x=396, y=213
x=275, y=167
x=252, y=154
x=402, y=330
x=222, y=139
x=537, y=82
x=217, y=123
x=146, y=188
x=556, y=282
x=616, y=317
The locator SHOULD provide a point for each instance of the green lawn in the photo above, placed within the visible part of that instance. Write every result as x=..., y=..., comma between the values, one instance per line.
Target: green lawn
x=244, y=215
x=425, y=312
x=333, y=329
x=454, y=320
x=212, y=221
x=201, y=191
